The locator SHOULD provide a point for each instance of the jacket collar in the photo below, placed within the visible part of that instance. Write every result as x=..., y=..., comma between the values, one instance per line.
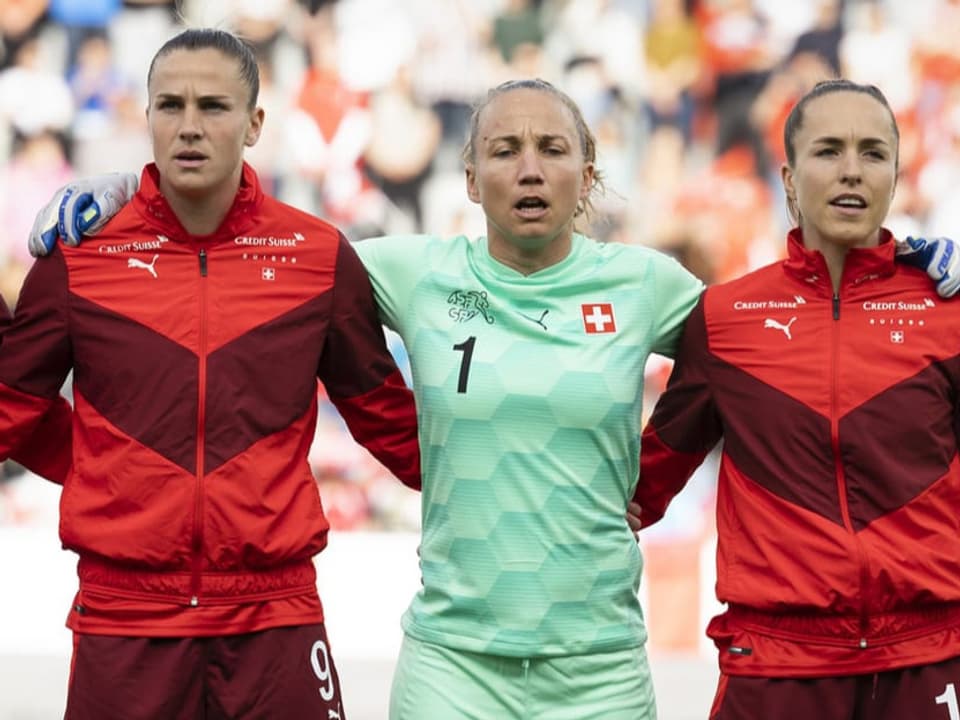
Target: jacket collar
x=860, y=265
x=155, y=209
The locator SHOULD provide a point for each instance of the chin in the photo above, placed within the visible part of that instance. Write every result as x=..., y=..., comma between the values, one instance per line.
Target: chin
x=531, y=242
x=192, y=187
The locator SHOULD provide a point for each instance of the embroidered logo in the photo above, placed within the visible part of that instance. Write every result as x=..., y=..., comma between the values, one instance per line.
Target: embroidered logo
x=467, y=304
x=149, y=267
x=598, y=318
x=136, y=246
x=268, y=273
x=792, y=304
x=270, y=241
x=897, y=337
x=771, y=323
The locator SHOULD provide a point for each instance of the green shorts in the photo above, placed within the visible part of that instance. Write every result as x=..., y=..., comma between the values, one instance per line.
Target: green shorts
x=432, y=682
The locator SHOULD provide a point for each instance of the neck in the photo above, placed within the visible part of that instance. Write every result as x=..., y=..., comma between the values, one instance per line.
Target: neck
x=528, y=261
x=834, y=257
x=201, y=214
x=835, y=251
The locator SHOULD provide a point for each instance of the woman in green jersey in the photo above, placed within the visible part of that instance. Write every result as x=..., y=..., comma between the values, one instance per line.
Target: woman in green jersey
x=527, y=347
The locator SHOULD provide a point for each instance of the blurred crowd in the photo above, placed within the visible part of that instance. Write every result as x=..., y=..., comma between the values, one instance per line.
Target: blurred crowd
x=367, y=104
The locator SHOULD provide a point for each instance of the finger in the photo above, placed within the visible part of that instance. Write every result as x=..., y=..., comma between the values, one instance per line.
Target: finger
x=65, y=216
x=88, y=217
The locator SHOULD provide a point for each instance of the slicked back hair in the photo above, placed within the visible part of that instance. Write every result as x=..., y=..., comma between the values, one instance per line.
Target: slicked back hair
x=588, y=143
x=795, y=118
x=227, y=43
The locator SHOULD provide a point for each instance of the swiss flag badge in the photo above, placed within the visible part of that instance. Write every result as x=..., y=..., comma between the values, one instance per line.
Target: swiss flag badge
x=598, y=318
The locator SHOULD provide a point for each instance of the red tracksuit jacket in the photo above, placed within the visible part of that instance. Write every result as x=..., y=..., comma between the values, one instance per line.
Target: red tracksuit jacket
x=838, y=511
x=195, y=361
x=47, y=451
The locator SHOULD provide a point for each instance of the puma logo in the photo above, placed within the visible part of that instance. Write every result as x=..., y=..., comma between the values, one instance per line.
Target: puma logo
x=771, y=323
x=534, y=320
x=135, y=263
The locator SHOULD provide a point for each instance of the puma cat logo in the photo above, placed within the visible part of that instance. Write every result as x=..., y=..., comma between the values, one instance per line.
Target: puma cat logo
x=771, y=323
x=135, y=263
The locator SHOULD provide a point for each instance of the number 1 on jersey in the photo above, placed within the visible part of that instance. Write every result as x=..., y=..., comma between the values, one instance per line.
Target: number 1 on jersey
x=949, y=698
x=466, y=347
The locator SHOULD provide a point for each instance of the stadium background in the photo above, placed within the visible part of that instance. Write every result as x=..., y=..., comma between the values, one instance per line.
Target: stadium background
x=366, y=107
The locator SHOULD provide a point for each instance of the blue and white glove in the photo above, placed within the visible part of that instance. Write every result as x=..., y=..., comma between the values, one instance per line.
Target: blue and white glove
x=940, y=257
x=80, y=208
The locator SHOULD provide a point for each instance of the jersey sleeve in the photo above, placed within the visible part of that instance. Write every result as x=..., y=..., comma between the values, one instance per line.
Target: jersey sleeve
x=361, y=377
x=387, y=260
x=35, y=358
x=677, y=293
x=684, y=426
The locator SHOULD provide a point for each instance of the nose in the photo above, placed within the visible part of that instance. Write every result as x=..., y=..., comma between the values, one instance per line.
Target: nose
x=851, y=170
x=190, y=126
x=530, y=169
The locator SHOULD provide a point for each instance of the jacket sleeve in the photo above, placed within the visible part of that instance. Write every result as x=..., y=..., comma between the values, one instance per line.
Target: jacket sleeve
x=361, y=377
x=49, y=450
x=684, y=426
x=35, y=358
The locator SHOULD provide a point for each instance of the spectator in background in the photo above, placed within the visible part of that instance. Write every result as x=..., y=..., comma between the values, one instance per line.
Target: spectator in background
x=739, y=60
x=448, y=69
x=329, y=135
x=38, y=167
x=403, y=143
x=876, y=51
x=937, y=56
x=824, y=38
x=517, y=27
x=939, y=182
x=21, y=22
x=82, y=19
x=674, y=66
x=97, y=86
x=51, y=103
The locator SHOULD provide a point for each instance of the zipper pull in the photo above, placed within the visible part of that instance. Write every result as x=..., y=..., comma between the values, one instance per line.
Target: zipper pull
x=203, y=262
x=836, y=304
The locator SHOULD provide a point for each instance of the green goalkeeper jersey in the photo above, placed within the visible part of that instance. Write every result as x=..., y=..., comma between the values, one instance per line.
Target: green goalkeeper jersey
x=529, y=392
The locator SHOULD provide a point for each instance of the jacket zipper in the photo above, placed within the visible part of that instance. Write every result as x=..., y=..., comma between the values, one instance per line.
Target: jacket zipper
x=197, y=558
x=838, y=464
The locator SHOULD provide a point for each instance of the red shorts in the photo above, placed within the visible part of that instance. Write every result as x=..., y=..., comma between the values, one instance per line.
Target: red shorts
x=925, y=692
x=285, y=672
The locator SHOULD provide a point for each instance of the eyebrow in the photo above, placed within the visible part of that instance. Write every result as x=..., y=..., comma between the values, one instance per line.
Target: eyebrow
x=515, y=139
x=179, y=96
x=868, y=142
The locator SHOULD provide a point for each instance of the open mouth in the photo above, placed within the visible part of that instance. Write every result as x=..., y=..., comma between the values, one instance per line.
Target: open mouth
x=531, y=206
x=850, y=202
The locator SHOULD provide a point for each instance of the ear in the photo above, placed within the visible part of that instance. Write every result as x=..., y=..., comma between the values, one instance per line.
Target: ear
x=786, y=175
x=589, y=177
x=473, y=191
x=255, y=127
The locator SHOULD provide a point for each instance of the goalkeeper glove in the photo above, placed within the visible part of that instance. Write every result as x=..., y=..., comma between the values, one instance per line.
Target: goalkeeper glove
x=939, y=257
x=80, y=208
